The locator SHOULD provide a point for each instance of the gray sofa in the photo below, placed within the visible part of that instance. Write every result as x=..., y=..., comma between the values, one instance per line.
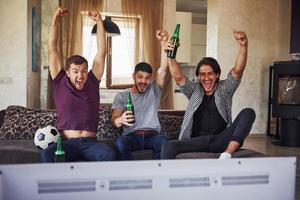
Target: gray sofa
x=18, y=125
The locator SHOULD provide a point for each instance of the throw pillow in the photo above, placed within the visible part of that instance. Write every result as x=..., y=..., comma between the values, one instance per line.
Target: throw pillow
x=105, y=127
x=21, y=122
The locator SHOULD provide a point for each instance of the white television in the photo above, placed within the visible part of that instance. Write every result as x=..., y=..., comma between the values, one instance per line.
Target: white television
x=245, y=178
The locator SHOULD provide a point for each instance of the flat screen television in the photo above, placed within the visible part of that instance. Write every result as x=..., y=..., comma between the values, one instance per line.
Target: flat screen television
x=286, y=89
x=239, y=178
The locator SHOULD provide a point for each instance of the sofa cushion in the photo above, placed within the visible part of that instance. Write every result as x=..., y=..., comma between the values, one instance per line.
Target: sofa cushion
x=18, y=151
x=105, y=127
x=21, y=122
x=170, y=125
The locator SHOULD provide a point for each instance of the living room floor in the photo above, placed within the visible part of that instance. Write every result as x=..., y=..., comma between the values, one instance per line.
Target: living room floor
x=263, y=144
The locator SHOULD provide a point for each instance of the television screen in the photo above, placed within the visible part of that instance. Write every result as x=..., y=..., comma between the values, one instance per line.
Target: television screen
x=289, y=89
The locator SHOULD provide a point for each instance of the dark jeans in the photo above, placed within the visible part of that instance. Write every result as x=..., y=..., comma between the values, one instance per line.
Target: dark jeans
x=86, y=149
x=127, y=143
x=238, y=132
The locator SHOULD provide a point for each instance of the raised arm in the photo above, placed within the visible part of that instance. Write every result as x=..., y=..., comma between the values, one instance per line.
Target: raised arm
x=176, y=72
x=241, y=60
x=98, y=64
x=174, y=67
x=162, y=72
x=55, y=63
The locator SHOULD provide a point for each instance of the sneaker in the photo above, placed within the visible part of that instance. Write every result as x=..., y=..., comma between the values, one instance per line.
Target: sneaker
x=225, y=155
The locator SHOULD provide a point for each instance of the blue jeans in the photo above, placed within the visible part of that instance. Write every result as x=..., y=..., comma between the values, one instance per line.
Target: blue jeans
x=84, y=149
x=127, y=143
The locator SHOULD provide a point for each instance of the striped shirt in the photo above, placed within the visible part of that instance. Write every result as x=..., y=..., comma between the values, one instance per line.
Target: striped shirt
x=223, y=98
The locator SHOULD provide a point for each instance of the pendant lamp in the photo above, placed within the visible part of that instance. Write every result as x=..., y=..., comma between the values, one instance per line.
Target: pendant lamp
x=110, y=27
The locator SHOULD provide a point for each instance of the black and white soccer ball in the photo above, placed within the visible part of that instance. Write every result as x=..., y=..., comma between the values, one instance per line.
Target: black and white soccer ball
x=46, y=136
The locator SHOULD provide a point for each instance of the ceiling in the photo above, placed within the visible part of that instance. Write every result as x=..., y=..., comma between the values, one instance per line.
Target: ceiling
x=197, y=7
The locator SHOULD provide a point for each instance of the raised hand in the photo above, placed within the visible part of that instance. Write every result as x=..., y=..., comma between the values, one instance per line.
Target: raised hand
x=165, y=42
x=94, y=15
x=241, y=37
x=162, y=35
x=241, y=59
x=61, y=12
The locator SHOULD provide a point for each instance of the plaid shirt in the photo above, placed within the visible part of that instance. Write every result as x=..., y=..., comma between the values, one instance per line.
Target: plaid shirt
x=194, y=92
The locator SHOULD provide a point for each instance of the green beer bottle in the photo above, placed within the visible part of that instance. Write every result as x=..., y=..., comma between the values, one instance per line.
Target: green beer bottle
x=129, y=105
x=59, y=153
x=175, y=40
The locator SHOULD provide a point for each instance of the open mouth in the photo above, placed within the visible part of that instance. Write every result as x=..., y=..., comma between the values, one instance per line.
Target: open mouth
x=142, y=87
x=207, y=84
x=79, y=84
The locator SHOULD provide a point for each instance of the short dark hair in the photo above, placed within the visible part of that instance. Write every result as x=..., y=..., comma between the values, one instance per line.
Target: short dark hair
x=209, y=61
x=144, y=67
x=77, y=60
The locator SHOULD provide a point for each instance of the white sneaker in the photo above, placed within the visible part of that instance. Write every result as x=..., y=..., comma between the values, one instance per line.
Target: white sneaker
x=225, y=155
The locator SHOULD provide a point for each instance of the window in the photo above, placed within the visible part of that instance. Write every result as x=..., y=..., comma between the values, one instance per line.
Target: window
x=122, y=53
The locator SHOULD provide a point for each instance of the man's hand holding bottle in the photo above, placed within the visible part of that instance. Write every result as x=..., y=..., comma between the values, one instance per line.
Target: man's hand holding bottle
x=127, y=118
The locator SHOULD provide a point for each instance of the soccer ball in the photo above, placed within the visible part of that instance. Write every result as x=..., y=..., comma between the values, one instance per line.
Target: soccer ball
x=46, y=136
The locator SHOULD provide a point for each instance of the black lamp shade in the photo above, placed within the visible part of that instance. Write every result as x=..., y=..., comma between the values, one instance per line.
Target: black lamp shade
x=110, y=27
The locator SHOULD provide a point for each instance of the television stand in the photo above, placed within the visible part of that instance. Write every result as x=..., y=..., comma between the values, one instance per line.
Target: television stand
x=289, y=133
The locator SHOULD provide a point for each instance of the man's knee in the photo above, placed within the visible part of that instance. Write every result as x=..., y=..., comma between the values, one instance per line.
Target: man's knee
x=168, y=150
x=168, y=145
x=109, y=154
x=161, y=140
x=121, y=144
x=44, y=156
x=248, y=114
x=47, y=155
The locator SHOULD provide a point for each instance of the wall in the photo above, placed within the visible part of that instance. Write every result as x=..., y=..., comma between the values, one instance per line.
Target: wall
x=198, y=43
x=47, y=8
x=13, y=51
x=19, y=85
x=267, y=26
x=184, y=51
x=169, y=15
x=33, y=77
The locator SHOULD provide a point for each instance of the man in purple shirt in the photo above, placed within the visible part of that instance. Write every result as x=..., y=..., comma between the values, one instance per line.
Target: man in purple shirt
x=76, y=97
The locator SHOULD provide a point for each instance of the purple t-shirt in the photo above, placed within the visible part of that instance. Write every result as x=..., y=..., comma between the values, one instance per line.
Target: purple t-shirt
x=76, y=110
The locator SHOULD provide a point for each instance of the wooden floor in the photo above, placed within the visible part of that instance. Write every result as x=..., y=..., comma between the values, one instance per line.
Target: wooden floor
x=263, y=144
